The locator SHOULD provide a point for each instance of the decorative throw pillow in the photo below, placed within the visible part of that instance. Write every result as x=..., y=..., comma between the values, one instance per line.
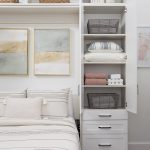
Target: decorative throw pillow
x=23, y=108
x=104, y=47
x=57, y=103
x=55, y=107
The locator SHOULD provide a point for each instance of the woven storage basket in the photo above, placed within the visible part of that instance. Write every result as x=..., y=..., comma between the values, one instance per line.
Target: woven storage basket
x=8, y=1
x=102, y=26
x=54, y=1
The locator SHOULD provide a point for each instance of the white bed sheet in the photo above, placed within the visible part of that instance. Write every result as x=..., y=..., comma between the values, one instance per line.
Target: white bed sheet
x=54, y=134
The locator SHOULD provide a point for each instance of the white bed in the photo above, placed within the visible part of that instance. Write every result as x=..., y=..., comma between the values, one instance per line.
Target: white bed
x=53, y=134
x=50, y=132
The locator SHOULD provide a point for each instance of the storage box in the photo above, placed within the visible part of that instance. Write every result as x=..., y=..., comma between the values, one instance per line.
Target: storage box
x=8, y=1
x=116, y=82
x=103, y=100
x=115, y=76
x=102, y=26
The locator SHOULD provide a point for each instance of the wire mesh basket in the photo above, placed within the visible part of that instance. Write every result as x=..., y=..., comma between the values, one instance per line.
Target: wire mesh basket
x=102, y=26
x=103, y=100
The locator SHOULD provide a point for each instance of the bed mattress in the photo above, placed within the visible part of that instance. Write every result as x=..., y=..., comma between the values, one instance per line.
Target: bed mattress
x=53, y=134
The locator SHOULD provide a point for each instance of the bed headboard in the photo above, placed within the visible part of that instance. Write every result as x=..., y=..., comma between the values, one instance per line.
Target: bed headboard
x=13, y=94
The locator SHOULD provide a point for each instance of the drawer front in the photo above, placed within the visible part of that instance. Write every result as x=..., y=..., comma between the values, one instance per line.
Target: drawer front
x=105, y=127
x=104, y=114
x=107, y=143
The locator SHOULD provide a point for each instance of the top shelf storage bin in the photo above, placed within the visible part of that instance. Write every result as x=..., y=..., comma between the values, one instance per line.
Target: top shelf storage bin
x=8, y=1
x=102, y=26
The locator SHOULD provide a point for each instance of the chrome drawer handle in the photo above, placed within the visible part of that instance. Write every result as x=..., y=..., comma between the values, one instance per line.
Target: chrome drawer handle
x=104, y=145
x=104, y=115
x=104, y=127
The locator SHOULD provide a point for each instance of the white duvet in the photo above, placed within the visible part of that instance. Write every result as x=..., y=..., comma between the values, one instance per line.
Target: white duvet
x=105, y=57
x=54, y=134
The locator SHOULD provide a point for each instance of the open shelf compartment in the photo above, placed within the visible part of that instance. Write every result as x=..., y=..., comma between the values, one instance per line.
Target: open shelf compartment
x=121, y=104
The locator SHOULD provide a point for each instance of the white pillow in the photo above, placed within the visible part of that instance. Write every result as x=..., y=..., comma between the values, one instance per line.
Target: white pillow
x=62, y=99
x=2, y=106
x=23, y=108
x=55, y=108
x=105, y=57
x=4, y=95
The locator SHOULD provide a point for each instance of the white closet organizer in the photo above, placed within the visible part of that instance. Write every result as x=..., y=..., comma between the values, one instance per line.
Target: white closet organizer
x=100, y=128
x=108, y=128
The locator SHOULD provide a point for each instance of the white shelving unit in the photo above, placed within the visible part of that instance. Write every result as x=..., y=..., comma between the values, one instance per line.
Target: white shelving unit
x=94, y=137
x=72, y=8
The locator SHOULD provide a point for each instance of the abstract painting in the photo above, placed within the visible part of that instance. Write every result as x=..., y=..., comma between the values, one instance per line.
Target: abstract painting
x=144, y=47
x=52, y=51
x=13, y=52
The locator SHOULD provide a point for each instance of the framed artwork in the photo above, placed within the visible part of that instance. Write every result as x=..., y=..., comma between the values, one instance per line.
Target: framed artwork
x=143, y=46
x=13, y=51
x=52, y=51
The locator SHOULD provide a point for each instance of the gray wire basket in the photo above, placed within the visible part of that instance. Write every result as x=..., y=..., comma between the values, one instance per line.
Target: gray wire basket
x=103, y=100
x=102, y=26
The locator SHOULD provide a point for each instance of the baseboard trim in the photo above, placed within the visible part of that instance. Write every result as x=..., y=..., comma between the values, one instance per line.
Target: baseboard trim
x=139, y=146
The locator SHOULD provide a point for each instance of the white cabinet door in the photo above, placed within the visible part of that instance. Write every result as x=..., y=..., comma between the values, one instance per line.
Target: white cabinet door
x=131, y=48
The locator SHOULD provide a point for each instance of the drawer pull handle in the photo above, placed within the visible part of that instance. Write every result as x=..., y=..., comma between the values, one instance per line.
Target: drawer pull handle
x=104, y=127
x=104, y=145
x=104, y=115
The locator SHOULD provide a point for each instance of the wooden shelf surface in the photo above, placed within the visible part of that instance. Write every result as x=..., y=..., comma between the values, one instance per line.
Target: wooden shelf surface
x=41, y=8
x=104, y=86
x=103, y=36
x=104, y=63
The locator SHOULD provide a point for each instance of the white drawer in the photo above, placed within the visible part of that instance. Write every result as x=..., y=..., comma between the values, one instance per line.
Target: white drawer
x=105, y=127
x=118, y=142
x=91, y=114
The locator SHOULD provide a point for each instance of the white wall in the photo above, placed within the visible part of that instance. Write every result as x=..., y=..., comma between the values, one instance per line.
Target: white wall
x=139, y=124
x=31, y=21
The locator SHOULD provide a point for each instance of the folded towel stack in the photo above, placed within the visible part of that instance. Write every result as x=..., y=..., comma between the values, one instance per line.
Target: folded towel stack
x=95, y=79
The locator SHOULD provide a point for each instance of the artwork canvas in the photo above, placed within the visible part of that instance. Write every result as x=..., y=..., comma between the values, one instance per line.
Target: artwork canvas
x=13, y=52
x=52, y=52
x=144, y=47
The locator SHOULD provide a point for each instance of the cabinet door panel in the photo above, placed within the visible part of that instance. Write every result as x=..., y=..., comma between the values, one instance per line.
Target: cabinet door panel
x=131, y=49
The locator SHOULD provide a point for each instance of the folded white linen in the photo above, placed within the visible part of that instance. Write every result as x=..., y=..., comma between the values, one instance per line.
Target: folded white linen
x=105, y=51
x=105, y=57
